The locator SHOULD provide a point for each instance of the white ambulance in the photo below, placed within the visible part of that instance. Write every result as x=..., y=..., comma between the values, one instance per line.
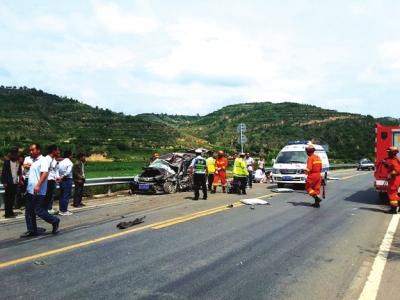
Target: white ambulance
x=291, y=161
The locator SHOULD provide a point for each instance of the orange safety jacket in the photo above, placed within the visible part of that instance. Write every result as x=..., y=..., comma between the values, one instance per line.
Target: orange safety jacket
x=314, y=165
x=221, y=162
x=393, y=167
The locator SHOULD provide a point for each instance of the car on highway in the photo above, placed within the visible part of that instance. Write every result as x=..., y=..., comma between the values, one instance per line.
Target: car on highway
x=166, y=175
x=365, y=164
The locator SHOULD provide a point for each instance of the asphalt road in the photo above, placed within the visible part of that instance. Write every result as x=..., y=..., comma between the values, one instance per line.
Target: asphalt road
x=204, y=250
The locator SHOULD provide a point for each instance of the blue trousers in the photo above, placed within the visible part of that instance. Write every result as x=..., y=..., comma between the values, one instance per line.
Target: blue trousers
x=65, y=194
x=250, y=179
x=34, y=207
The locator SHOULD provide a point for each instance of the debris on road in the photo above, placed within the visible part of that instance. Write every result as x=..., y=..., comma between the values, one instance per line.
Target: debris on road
x=254, y=202
x=230, y=206
x=251, y=207
x=123, y=225
x=333, y=178
x=39, y=263
x=282, y=190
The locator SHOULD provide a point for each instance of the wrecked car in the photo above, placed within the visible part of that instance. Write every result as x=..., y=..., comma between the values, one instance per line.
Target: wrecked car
x=168, y=174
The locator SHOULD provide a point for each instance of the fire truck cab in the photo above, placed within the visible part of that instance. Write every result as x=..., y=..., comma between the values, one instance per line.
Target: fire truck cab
x=385, y=136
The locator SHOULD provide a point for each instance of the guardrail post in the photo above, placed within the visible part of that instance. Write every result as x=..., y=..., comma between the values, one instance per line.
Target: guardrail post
x=109, y=187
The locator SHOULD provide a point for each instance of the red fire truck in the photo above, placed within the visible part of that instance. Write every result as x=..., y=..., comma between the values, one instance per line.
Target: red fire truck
x=385, y=136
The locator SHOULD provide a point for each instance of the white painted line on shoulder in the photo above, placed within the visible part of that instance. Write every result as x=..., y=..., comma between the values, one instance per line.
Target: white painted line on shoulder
x=371, y=287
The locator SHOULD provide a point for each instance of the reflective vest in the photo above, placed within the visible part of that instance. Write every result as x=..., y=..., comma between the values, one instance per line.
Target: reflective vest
x=240, y=168
x=200, y=165
x=210, y=163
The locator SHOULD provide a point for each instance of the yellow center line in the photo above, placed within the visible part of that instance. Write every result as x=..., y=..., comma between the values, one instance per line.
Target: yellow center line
x=157, y=225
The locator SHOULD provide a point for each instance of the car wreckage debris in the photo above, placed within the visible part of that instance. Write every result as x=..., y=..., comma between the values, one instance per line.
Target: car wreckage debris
x=123, y=225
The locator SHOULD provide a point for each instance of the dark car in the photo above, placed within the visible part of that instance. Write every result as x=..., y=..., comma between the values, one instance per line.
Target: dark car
x=167, y=174
x=365, y=164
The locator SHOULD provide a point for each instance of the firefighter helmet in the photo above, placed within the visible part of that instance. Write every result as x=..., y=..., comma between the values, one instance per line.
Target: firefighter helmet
x=156, y=155
x=220, y=152
x=310, y=148
x=393, y=149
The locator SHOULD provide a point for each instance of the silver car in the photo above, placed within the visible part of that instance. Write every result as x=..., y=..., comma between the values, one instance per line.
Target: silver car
x=365, y=164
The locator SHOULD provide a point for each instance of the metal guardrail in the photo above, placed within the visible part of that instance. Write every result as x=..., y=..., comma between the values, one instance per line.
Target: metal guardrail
x=110, y=181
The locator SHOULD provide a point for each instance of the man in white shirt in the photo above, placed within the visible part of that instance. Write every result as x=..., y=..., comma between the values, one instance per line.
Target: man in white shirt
x=250, y=167
x=53, y=153
x=259, y=176
x=65, y=180
x=35, y=193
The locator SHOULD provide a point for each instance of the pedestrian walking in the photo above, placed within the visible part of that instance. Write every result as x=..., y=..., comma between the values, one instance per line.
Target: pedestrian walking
x=313, y=173
x=35, y=194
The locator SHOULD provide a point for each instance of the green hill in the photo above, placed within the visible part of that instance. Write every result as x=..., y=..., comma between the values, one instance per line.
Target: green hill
x=29, y=115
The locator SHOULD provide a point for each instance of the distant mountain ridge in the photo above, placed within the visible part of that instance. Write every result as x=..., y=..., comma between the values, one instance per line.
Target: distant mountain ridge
x=29, y=115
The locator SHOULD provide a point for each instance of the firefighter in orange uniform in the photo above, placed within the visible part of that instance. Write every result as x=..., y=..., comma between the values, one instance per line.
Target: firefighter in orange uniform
x=155, y=156
x=221, y=163
x=313, y=172
x=392, y=164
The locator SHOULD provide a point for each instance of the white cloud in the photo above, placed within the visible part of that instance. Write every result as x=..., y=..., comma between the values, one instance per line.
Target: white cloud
x=390, y=52
x=115, y=20
x=196, y=57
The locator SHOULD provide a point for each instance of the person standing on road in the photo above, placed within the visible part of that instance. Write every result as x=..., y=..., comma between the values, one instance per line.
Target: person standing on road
x=9, y=179
x=392, y=164
x=240, y=172
x=250, y=167
x=35, y=194
x=153, y=158
x=261, y=164
x=198, y=171
x=221, y=163
x=313, y=172
x=211, y=169
x=21, y=187
x=53, y=152
x=78, y=173
x=65, y=181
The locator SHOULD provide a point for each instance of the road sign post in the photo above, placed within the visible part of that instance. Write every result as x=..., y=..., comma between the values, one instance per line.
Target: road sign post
x=242, y=139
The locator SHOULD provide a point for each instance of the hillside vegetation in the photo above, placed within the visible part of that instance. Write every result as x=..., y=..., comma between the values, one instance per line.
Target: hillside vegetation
x=29, y=115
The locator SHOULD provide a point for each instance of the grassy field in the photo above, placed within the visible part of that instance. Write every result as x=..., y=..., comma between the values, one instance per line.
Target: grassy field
x=112, y=169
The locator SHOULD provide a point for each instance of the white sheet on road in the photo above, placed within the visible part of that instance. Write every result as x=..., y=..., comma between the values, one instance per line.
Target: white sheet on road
x=254, y=201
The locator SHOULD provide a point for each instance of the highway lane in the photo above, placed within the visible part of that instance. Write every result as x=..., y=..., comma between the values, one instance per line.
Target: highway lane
x=286, y=250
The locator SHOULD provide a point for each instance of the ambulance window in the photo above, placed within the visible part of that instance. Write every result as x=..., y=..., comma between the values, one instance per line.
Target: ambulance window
x=292, y=157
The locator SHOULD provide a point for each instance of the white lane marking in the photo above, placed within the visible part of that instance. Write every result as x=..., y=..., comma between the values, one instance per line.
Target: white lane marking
x=371, y=287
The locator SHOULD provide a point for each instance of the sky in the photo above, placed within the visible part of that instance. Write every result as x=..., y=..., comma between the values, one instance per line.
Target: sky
x=195, y=57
